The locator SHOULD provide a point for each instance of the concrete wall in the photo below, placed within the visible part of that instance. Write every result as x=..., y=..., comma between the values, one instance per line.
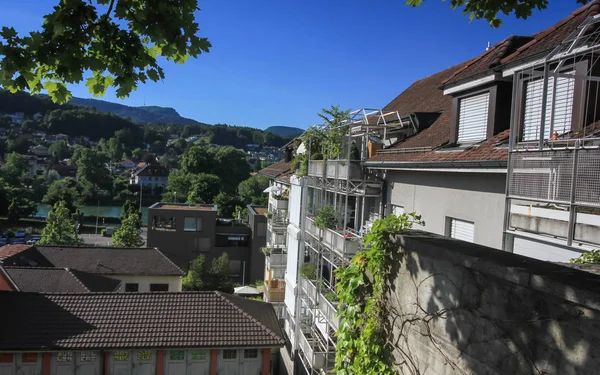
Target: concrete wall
x=145, y=281
x=258, y=226
x=461, y=308
x=475, y=197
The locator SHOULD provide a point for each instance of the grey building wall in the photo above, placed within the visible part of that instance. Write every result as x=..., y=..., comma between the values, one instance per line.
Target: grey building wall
x=258, y=225
x=461, y=308
x=182, y=247
x=437, y=196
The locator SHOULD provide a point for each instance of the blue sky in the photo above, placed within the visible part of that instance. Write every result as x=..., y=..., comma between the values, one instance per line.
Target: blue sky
x=280, y=62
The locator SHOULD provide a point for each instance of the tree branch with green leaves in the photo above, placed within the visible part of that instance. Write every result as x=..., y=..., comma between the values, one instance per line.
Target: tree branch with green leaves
x=106, y=43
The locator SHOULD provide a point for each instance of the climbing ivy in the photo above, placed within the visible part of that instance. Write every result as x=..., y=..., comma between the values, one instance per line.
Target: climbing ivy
x=588, y=257
x=361, y=287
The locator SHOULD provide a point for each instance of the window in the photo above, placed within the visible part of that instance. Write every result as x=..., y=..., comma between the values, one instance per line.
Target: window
x=6, y=357
x=64, y=357
x=29, y=357
x=397, y=210
x=131, y=287
x=473, y=118
x=121, y=356
x=164, y=223
x=192, y=224
x=461, y=229
x=199, y=355
x=144, y=355
x=159, y=287
x=251, y=353
x=563, y=107
x=200, y=244
x=235, y=267
x=229, y=354
x=88, y=356
x=231, y=240
x=176, y=355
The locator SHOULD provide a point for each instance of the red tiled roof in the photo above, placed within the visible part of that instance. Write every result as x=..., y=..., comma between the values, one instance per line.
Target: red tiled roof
x=153, y=170
x=489, y=59
x=92, y=321
x=57, y=280
x=276, y=169
x=493, y=149
x=7, y=251
x=546, y=40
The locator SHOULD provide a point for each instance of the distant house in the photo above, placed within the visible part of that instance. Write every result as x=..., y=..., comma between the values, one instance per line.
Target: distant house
x=39, y=134
x=65, y=171
x=39, y=150
x=17, y=118
x=137, y=333
x=56, y=280
x=61, y=137
x=127, y=164
x=38, y=117
x=139, y=269
x=150, y=175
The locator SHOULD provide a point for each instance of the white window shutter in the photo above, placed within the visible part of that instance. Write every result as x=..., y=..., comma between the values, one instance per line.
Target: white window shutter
x=563, y=107
x=473, y=118
x=462, y=230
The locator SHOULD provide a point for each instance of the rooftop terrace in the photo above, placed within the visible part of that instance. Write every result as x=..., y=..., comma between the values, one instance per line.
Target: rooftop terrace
x=184, y=206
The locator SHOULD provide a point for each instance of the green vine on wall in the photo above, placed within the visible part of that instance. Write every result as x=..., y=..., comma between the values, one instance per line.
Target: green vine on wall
x=361, y=288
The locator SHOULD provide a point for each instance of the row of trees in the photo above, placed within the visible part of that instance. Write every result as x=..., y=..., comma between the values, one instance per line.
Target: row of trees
x=215, y=174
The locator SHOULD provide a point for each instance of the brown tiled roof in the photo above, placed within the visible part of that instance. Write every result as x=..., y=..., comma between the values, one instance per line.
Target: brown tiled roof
x=274, y=170
x=424, y=96
x=52, y=280
x=92, y=321
x=111, y=261
x=8, y=251
x=493, y=149
x=153, y=170
x=489, y=59
x=546, y=40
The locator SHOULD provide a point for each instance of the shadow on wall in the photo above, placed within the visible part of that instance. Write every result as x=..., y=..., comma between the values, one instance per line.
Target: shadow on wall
x=461, y=308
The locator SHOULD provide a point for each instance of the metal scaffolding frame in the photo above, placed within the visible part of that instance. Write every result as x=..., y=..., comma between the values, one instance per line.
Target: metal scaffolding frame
x=350, y=188
x=554, y=153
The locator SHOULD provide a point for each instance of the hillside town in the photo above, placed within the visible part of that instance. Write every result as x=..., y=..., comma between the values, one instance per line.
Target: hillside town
x=454, y=230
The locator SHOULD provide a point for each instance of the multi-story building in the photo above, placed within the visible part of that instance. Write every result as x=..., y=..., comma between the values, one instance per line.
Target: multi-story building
x=184, y=231
x=150, y=175
x=463, y=149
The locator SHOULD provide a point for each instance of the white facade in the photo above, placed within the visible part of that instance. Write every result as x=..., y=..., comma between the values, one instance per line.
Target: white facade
x=151, y=180
x=173, y=283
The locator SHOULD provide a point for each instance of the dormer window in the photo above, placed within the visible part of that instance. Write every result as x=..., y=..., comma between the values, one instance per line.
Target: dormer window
x=561, y=107
x=473, y=118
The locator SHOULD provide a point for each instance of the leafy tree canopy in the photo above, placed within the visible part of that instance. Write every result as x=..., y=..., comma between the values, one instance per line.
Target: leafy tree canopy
x=64, y=191
x=215, y=278
x=204, y=188
x=128, y=234
x=118, y=42
x=490, y=9
x=60, y=227
x=251, y=190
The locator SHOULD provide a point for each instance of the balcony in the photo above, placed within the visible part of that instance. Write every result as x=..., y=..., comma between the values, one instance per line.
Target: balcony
x=278, y=204
x=329, y=310
x=309, y=288
x=343, y=243
x=336, y=169
x=276, y=260
x=277, y=221
x=274, y=290
x=311, y=347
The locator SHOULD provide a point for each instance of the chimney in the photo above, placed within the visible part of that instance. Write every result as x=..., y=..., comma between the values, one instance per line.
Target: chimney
x=488, y=46
x=288, y=154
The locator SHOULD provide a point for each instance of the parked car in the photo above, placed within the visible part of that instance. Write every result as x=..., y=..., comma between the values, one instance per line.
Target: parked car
x=33, y=240
x=20, y=233
x=7, y=234
x=19, y=241
x=3, y=241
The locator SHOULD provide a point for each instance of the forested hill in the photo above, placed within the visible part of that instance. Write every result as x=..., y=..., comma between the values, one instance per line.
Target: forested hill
x=75, y=120
x=285, y=131
x=147, y=114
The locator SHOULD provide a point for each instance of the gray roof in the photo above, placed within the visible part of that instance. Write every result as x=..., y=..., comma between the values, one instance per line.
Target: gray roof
x=92, y=321
x=111, y=260
x=38, y=279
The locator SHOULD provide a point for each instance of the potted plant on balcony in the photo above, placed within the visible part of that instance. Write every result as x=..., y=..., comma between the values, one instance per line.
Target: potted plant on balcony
x=268, y=214
x=325, y=217
x=308, y=271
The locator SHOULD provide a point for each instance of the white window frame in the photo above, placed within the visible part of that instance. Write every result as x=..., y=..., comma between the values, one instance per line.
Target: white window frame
x=478, y=125
x=452, y=223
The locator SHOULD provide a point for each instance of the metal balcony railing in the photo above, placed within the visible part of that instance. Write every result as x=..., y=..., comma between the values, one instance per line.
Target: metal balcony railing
x=277, y=204
x=329, y=310
x=276, y=260
x=274, y=290
x=336, y=169
x=311, y=348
